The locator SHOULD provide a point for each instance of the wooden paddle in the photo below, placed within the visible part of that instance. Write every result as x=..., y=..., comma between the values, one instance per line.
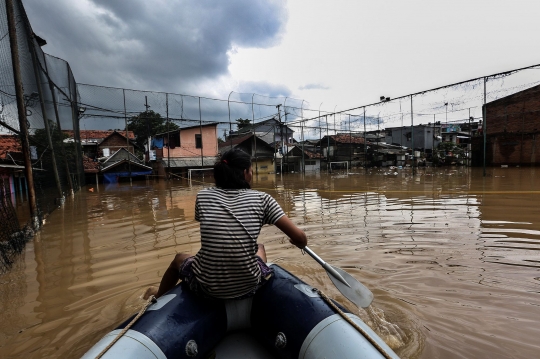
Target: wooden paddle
x=352, y=289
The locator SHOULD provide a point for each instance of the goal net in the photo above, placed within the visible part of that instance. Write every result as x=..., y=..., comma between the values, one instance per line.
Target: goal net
x=196, y=170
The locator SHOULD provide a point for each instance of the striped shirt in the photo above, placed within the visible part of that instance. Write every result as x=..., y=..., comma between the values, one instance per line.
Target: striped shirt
x=230, y=221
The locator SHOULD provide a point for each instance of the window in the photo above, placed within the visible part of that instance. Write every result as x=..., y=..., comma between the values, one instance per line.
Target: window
x=198, y=140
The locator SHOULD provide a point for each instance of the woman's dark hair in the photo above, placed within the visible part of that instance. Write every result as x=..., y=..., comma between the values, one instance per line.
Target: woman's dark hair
x=229, y=170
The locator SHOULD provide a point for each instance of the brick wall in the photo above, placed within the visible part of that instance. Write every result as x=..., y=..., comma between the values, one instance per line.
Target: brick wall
x=517, y=113
x=513, y=128
x=516, y=149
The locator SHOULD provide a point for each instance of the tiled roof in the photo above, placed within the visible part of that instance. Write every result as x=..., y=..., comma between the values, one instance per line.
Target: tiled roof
x=235, y=141
x=99, y=134
x=312, y=154
x=9, y=143
x=348, y=139
x=89, y=165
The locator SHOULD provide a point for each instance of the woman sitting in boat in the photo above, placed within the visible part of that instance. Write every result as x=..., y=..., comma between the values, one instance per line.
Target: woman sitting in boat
x=230, y=263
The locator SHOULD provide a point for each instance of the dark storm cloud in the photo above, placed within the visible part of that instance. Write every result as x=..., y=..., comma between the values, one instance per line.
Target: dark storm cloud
x=154, y=45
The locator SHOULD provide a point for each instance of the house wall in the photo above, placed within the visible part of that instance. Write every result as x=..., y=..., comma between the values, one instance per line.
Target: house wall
x=187, y=146
x=423, y=136
x=263, y=166
x=270, y=131
x=315, y=167
x=114, y=143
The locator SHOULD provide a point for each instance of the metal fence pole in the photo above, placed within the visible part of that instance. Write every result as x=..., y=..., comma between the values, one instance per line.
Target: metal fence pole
x=55, y=106
x=254, y=135
x=76, y=128
x=302, y=131
x=46, y=123
x=168, y=138
x=21, y=109
x=200, y=130
x=412, y=137
x=127, y=137
x=365, y=141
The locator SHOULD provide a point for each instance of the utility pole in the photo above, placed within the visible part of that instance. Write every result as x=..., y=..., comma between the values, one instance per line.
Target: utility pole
x=201, y=132
x=21, y=109
x=147, y=124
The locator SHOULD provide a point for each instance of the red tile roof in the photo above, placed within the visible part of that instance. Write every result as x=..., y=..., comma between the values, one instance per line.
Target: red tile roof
x=235, y=141
x=99, y=134
x=347, y=139
x=89, y=165
x=312, y=154
x=9, y=143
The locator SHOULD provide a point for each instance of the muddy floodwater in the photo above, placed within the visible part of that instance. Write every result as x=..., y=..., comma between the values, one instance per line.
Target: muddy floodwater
x=451, y=256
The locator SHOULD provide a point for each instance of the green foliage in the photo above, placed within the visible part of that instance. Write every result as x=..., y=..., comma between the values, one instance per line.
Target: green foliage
x=447, y=152
x=149, y=123
x=41, y=141
x=240, y=123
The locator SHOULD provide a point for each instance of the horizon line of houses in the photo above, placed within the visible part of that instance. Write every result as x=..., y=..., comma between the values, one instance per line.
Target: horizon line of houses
x=513, y=124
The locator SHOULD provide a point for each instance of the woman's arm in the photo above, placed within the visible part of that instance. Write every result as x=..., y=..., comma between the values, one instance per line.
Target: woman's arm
x=296, y=235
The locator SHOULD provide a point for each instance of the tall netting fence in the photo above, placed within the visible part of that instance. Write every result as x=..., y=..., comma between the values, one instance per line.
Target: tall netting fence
x=491, y=120
x=50, y=101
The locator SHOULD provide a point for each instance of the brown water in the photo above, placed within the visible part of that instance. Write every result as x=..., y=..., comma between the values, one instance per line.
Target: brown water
x=451, y=257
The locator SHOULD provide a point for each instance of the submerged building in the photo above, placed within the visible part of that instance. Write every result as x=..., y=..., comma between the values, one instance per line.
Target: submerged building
x=512, y=128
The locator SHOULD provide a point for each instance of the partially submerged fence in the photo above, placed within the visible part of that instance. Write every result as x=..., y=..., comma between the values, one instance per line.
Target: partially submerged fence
x=38, y=101
x=447, y=123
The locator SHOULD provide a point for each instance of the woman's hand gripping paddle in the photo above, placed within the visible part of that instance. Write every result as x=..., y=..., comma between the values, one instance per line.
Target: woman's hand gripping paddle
x=352, y=289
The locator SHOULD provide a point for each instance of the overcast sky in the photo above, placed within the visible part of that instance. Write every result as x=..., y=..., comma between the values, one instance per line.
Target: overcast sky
x=340, y=54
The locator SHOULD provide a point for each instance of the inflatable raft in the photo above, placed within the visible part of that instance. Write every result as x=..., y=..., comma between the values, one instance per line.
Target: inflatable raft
x=285, y=319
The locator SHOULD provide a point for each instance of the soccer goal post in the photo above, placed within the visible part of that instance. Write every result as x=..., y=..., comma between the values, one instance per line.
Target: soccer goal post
x=339, y=162
x=190, y=170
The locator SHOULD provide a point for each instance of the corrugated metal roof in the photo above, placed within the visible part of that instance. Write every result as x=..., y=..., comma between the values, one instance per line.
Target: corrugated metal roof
x=114, y=164
x=98, y=134
x=191, y=162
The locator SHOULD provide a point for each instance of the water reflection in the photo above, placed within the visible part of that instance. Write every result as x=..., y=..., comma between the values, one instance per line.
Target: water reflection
x=451, y=256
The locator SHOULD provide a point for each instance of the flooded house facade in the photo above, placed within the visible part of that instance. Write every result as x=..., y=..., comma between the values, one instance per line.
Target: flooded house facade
x=262, y=153
x=11, y=166
x=185, y=148
x=424, y=138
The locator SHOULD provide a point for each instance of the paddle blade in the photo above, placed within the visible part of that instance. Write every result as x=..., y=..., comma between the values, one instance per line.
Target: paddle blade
x=356, y=293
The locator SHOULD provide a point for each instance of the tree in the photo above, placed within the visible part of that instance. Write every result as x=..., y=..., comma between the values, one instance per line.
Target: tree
x=61, y=149
x=240, y=123
x=149, y=123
